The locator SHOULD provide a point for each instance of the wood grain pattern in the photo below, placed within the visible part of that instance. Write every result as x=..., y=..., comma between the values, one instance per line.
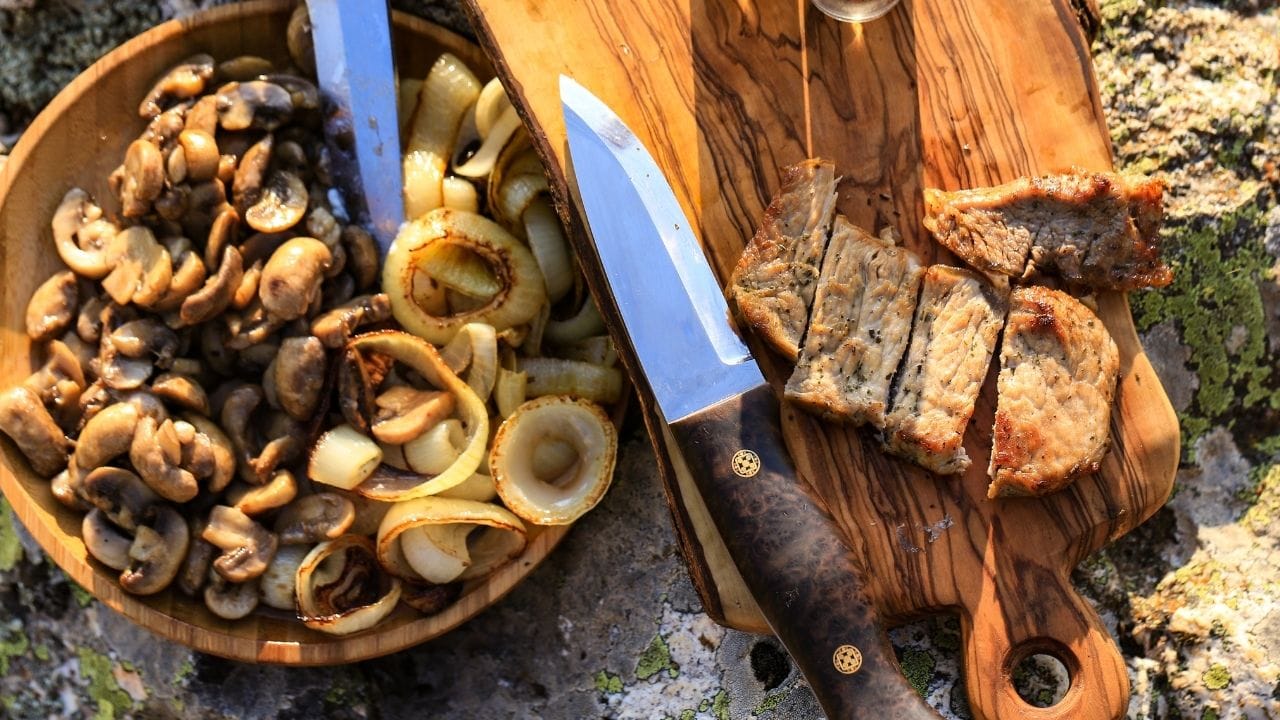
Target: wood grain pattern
x=77, y=140
x=943, y=93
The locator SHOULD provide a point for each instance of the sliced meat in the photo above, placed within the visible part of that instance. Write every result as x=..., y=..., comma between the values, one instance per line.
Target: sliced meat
x=953, y=337
x=1058, y=368
x=773, y=284
x=859, y=329
x=1099, y=230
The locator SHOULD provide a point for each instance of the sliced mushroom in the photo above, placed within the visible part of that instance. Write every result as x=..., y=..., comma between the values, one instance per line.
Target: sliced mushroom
x=24, y=419
x=404, y=413
x=298, y=38
x=217, y=293
x=81, y=236
x=292, y=277
x=157, y=453
x=145, y=338
x=188, y=275
x=256, y=460
x=159, y=547
x=59, y=383
x=278, y=585
x=302, y=92
x=143, y=178
x=182, y=391
x=244, y=67
x=52, y=306
x=251, y=174
x=120, y=494
x=173, y=200
x=163, y=130
x=104, y=541
x=363, y=254
x=121, y=373
x=254, y=104
x=337, y=291
x=175, y=170
x=314, y=518
x=198, y=564
x=199, y=154
x=247, y=547
x=299, y=376
x=142, y=268
x=204, y=201
x=230, y=601
x=93, y=400
x=106, y=436
x=335, y=328
x=247, y=292
x=89, y=322
x=184, y=81
x=222, y=449
x=255, y=500
x=252, y=326
x=281, y=205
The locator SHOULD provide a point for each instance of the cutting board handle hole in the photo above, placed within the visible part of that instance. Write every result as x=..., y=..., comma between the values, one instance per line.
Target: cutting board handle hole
x=1041, y=672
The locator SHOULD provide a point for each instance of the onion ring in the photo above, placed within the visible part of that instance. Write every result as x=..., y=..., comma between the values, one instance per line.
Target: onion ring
x=556, y=376
x=522, y=295
x=502, y=539
x=562, y=497
x=349, y=597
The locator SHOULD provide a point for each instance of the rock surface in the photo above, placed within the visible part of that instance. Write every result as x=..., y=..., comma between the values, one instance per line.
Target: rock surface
x=610, y=626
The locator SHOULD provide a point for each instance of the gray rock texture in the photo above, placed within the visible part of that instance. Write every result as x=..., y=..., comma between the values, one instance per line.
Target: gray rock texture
x=610, y=626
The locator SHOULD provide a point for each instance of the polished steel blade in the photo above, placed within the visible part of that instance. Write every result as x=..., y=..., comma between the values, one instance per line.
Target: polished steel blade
x=358, y=80
x=673, y=309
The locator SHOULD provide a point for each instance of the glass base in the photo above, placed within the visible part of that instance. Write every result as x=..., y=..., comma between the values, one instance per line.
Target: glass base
x=855, y=10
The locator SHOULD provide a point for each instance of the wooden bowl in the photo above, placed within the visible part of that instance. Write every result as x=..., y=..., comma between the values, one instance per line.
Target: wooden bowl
x=77, y=141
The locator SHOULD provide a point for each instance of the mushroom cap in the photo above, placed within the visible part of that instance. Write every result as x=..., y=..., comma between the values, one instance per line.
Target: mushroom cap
x=158, y=549
x=292, y=276
x=230, y=601
x=299, y=375
x=141, y=268
x=314, y=518
x=107, y=435
x=216, y=294
x=120, y=494
x=281, y=205
x=105, y=542
x=52, y=306
x=160, y=455
x=256, y=104
x=144, y=178
x=251, y=173
x=183, y=81
x=84, y=252
x=26, y=421
x=183, y=391
x=199, y=153
x=255, y=500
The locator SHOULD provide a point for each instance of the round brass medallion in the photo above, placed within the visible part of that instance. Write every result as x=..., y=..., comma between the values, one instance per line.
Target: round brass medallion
x=746, y=463
x=847, y=659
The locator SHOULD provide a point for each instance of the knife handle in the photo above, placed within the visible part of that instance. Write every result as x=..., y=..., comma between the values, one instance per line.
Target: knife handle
x=793, y=559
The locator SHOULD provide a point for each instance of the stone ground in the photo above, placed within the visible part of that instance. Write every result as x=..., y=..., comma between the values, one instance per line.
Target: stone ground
x=610, y=626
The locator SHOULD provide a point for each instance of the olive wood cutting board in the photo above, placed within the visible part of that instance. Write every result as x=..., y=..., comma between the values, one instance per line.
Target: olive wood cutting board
x=940, y=93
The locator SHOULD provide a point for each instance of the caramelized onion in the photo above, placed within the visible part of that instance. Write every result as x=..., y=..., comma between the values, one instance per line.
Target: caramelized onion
x=447, y=539
x=341, y=589
x=567, y=486
x=556, y=376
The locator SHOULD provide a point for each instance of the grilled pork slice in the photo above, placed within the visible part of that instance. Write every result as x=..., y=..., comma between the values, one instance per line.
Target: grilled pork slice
x=1058, y=368
x=860, y=325
x=1098, y=230
x=956, y=324
x=773, y=284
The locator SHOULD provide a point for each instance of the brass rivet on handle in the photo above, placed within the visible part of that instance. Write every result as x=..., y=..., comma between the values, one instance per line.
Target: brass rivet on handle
x=847, y=659
x=745, y=463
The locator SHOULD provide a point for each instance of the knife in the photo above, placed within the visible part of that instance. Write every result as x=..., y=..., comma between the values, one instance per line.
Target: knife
x=725, y=420
x=357, y=80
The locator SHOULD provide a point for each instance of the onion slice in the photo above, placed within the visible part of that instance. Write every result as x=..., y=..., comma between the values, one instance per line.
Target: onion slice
x=474, y=349
x=549, y=498
x=556, y=376
x=447, y=539
x=481, y=164
x=550, y=249
x=489, y=106
x=341, y=589
x=343, y=458
x=389, y=485
x=522, y=291
x=448, y=92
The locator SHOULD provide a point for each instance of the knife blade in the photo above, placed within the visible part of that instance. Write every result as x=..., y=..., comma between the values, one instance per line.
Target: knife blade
x=357, y=80
x=725, y=419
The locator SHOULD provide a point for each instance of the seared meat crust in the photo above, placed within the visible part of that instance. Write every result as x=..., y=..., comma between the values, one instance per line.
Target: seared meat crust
x=953, y=337
x=1058, y=369
x=773, y=285
x=1099, y=230
x=859, y=328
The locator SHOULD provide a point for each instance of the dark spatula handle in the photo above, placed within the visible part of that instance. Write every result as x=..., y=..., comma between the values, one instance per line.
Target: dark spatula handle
x=792, y=558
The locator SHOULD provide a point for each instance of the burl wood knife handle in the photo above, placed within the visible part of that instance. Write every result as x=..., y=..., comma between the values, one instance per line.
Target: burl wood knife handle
x=791, y=556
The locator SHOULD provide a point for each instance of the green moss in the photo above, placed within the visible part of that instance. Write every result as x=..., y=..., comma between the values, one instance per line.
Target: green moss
x=103, y=688
x=1216, y=677
x=1217, y=269
x=13, y=643
x=608, y=683
x=185, y=671
x=42, y=653
x=1265, y=506
x=688, y=715
x=82, y=596
x=771, y=701
x=918, y=666
x=720, y=705
x=655, y=659
x=1209, y=714
x=10, y=548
